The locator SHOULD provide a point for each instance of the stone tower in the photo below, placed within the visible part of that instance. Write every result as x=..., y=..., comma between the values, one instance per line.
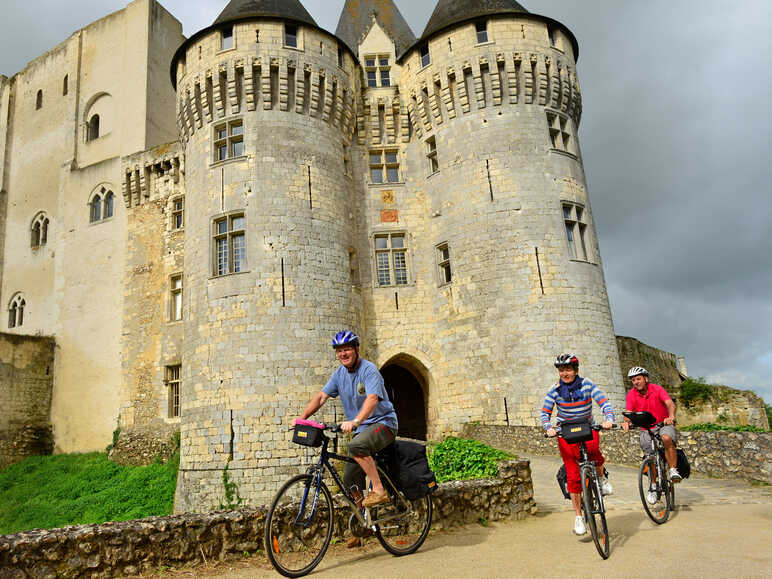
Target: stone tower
x=428, y=194
x=266, y=109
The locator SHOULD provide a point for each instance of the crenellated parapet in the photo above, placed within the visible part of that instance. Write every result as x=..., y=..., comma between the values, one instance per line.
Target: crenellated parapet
x=148, y=174
x=280, y=82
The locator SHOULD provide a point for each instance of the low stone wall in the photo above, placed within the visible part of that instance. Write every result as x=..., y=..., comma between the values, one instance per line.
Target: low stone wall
x=722, y=454
x=132, y=547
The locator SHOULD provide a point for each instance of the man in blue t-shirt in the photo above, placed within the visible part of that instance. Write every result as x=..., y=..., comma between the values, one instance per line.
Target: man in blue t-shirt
x=369, y=414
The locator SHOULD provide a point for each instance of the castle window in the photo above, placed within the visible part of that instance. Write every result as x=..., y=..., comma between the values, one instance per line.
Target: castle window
x=229, y=140
x=175, y=298
x=93, y=128
x=178, y=212
x=109, y=204
x=560, y=132
x=65, y=83
x=96, y=209
x=426, y=59
x=226, y=38
x=229, y=245
x=340, y=56
x=431, y=155
x=384, y=166
x=347, y=160
x=39, y=100
x=576, y=231
x=391, y=259
x=481, y=29
x=16, y=311
x=173, y=385
x=291, y=35
x=443, y=263
x=378, y=70
x=39, y=232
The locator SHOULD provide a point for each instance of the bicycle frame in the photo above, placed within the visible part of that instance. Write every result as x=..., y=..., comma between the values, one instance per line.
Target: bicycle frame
x=318, y=471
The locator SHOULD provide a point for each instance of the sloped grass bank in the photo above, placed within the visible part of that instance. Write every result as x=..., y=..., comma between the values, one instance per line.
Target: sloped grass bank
x=71, y=489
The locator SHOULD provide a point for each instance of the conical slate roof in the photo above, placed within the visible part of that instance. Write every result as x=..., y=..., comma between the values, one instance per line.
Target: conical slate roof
x=283, y=9
x=356, y=17
x=450, y=12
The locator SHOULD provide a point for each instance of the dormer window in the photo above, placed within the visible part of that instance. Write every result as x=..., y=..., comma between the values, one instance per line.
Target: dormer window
x=226, y=38
x=425, y=57
x=481, y=29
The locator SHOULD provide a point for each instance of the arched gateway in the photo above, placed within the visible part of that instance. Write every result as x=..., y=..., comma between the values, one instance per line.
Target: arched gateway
x=406, y=382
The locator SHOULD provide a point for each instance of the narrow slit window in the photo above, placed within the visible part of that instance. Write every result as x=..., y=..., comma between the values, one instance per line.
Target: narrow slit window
x=443, y=264
x=173, y=385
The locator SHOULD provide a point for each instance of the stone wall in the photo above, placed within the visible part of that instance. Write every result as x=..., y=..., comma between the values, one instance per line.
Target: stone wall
x=131, y=547
x=26, y=380
x=662, y=366
x=141, y=445
x=722, y=454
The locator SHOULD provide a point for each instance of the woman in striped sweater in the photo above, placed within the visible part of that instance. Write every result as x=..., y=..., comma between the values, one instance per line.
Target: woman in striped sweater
x=573, y=395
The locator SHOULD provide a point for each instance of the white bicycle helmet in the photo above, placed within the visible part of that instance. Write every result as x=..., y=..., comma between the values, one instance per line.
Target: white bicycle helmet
x=637, y=371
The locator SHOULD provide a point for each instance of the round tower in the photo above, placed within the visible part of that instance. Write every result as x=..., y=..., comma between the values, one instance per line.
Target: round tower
x=507, y=271
x=265, y=113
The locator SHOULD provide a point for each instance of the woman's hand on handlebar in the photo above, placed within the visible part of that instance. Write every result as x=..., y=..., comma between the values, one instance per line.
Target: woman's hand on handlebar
x=607, y=425
x=551, y=432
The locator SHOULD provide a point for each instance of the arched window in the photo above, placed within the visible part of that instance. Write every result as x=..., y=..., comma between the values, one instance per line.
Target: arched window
x=39, y=100
x=39, y=231
x=16, y=311
x=93, y=127
x=109, y=201
x=96, y=208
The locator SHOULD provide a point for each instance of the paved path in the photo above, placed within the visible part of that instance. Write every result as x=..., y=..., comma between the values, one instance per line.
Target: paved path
x=721, y=529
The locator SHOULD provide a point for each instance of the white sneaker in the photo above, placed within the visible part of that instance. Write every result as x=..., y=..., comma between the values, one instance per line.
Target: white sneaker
x=605, y=486
x=579, y=527
x=651, y=497
x=674, y=475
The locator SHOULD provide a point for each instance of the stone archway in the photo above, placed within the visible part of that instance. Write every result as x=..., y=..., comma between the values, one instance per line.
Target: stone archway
x=405, y=387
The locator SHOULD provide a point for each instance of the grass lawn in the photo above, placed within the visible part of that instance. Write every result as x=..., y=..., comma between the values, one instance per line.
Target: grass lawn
x=45, y=492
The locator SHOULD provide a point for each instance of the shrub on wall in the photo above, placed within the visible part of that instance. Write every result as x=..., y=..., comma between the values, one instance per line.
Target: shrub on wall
x=463, y=459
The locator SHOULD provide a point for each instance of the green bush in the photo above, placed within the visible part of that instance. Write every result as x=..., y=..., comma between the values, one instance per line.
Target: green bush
x=463, y=459
x=696, y=390
x=711, y=426
x=44, y=492
x=769, y=413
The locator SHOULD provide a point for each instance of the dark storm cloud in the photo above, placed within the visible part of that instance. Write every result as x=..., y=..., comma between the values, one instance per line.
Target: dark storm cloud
x=674, y=136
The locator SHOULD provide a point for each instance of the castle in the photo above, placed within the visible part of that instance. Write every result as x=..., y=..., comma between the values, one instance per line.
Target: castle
x=191, y=220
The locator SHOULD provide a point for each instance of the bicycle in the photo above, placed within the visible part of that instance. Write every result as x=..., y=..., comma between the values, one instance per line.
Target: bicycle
x=593, y=509
x=300, y=521
x=649, y=479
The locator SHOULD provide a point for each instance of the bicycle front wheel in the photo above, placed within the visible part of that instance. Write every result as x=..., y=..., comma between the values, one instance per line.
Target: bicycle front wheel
x=595, y=514
x=403, y=529
x=653, y=488
x=298, y=527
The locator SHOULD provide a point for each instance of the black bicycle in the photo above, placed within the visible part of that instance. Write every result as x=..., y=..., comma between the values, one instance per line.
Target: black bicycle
x=300, y=521
x=656, y=489
x=593, y=509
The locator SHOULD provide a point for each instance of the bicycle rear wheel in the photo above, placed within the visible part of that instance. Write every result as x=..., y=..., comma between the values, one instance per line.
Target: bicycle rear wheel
x=651, y=480
x=595, y=513
x=400, y=529
x=298, y=527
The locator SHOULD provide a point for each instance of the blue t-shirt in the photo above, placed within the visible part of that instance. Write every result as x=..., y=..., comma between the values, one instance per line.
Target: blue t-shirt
x=354, y=387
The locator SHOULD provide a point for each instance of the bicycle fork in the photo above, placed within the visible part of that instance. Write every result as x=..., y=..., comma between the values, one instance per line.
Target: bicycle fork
x=303, y=520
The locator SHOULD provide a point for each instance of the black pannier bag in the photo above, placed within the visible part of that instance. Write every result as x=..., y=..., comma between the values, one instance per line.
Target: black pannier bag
x=411, y=472
x=574, y=431
x=563, y=481
x=684, y=468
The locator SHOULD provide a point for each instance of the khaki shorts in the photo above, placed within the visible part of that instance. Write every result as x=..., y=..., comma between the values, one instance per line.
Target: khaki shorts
x=373, y=438
x=645, y=438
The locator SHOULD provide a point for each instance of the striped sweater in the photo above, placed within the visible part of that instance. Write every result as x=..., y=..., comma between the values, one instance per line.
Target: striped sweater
x=580, y=408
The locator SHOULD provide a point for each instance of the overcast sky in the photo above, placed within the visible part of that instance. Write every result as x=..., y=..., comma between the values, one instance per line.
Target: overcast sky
x=676, y=115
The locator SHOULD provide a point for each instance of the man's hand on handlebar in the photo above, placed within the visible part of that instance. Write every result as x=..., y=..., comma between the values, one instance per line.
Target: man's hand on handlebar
x=347, y=426
x=669, y=421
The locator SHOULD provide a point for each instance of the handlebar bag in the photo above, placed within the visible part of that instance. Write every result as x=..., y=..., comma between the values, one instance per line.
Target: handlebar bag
x=575, y=431
x=308, y=433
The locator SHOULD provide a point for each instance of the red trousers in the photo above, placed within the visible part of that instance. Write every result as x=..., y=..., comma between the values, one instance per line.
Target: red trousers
x=570, y=455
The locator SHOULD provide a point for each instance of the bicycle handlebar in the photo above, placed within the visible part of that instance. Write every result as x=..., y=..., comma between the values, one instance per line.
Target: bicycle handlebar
x=596, y=427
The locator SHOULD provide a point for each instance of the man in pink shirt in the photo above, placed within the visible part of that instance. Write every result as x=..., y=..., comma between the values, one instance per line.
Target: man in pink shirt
x=646, y=396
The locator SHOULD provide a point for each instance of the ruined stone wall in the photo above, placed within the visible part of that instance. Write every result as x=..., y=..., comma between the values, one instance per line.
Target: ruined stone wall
x=145, y=546
x=662, y=366
x=26, y=380
x=721, y=454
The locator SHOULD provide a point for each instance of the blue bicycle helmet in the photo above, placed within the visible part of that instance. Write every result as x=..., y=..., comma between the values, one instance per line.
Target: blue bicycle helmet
x=345, y=338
